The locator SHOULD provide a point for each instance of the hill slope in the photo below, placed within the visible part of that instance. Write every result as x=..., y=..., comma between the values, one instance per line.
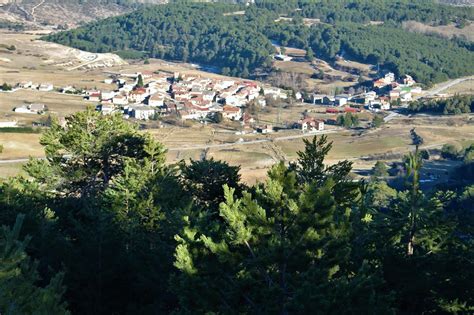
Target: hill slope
x=70, y=13
x=240, y=44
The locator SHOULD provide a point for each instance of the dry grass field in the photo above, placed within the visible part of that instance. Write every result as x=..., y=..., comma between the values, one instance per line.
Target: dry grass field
x=58, y=104
x=256, y=159
x=444, y=30
x=466, y=87
x=20, y=145
x=10, y=169
x=293, y=66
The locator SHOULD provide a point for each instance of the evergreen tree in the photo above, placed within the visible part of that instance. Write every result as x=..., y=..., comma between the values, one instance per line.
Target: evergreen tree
x=380, y=169
x=204, y=180
x=140, y=83
x=19, y=292
x=281, y=248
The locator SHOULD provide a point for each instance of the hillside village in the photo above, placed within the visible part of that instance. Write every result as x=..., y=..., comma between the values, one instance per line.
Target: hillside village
x=149, y=95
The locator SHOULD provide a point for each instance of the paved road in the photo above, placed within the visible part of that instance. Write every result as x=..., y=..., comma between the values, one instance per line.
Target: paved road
x=444, y=86
x=434, y=91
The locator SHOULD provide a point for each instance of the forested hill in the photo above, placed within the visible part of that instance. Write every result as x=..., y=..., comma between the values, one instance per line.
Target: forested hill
x=199, y=33
x=239, y=44
x=363, y=11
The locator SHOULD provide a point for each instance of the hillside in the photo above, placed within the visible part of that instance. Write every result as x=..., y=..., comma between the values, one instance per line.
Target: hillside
x=65, y=13
x=458, y=2
x=240, y=44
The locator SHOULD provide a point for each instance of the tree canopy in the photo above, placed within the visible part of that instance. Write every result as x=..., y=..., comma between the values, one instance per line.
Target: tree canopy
x=113, y=229
x=240, y=44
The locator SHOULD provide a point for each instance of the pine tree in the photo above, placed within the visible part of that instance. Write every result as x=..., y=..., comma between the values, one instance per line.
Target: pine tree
x=19, y=292
x=281, y=248
x=379, y=169
x=140, y=83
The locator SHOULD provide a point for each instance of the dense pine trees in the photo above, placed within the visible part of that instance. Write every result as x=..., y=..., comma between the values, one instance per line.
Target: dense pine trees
x=456, y=105
x=104, y=226
x=210, y=34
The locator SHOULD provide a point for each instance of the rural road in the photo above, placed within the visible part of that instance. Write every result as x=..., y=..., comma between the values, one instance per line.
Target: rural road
x=202, y=147
x=231, y=144
x=440, y=88
x=222, y=145
x=444, y=86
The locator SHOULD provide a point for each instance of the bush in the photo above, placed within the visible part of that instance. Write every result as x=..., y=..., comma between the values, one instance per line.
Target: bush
x=377, y=121
x=6, y=87
x=450, y=151
x=380, y=169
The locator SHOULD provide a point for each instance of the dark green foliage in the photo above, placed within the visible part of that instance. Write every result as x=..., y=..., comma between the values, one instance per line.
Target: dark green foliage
x=17, y=27
x=377, y=121
x=311, y=167
x=140, y=81
x=20, y=130
x=6, y=87
x=380, y=169
x=218, y=118
x=204, y=180
x=455, y=105
x=19, y=292
x=135, y=236
x=102, y=207
x=364, y=11
x=450, y=151
x=416, y=139
x=238, y=45
x=348, y=120
x=131, y=54
x=282, y=247
x=188, y=32
x=427, y=58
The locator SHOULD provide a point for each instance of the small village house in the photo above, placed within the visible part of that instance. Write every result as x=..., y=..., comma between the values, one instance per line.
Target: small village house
x=231, y=112
x=141, y=112
x=156, y=100
x=309, y=125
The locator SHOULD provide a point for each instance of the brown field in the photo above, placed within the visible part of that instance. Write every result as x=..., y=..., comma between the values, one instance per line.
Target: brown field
x=293, y=66
x=58, y=104
x=256, y=159
x=10, y=169
x=20, y=145
x=355, y=65
x=465, y=87
x=443, y=30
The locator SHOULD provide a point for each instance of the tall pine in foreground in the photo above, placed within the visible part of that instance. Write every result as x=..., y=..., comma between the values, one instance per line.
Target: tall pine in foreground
x=100, y=207
x=283, y=248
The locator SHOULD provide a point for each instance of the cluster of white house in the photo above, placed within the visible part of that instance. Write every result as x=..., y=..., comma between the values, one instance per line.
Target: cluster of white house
x=144, y=95
x=386, y=90
x=45, y=87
